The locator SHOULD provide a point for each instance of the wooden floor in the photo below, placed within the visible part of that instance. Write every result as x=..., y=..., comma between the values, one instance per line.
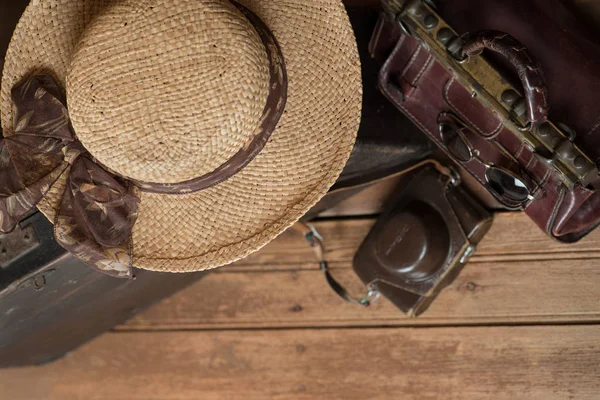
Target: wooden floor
x=521, y=322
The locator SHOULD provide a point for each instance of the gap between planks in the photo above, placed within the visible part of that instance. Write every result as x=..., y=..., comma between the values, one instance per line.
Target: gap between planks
x=282, y=287
x=524, y=293
x=513, y=237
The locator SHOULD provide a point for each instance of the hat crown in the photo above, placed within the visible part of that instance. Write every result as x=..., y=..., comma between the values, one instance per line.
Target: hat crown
x=167, y=90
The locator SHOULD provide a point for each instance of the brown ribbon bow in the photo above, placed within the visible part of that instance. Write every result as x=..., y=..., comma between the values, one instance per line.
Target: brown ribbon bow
x=98, y=209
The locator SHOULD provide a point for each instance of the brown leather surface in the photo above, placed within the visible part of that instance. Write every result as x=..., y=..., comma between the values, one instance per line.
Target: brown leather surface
x=570, y=60
x=570, y=57
x=568, y=53
x=414, y=249
x=436, y=91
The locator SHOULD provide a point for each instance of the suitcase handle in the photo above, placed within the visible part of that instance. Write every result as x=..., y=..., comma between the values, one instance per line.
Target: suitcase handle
x=528, y=68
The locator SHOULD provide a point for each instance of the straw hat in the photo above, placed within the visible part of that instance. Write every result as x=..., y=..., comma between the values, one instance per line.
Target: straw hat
x=166, y=91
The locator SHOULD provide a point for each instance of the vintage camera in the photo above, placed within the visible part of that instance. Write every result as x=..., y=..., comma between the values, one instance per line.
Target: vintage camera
x=422, y=240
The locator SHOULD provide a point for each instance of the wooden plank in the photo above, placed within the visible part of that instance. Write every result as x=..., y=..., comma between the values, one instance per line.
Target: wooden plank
x=544, y=362
x=513, y=237
x=342, y=240
x=504, y=283
x=485, y=293
x=369, y=201
x=373, y=198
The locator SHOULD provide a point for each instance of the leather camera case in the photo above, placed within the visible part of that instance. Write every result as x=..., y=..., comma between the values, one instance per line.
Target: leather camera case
x=422, y=240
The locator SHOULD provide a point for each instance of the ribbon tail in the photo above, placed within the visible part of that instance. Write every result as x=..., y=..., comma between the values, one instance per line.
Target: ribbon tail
x=16, y=198
x=88, y=214
x=77, y=239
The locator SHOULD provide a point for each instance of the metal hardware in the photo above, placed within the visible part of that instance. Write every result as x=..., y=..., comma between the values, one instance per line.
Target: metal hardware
x=416, y=10
x=565, y=156
x=403, y=26
x=567, y=129
x=508, y=187
x=445, y=36
x=372, y=296
x=430, y=21
x=454, y=48
x=37, y=282
x=454, y=178
x=431, y=4
x=544, y=160
x=468, y=253
x=530, y=147
x=16, y=244
x=579, y=162
x=545, y=130
x=509, y=97
x=520, y=108
x=573, y=167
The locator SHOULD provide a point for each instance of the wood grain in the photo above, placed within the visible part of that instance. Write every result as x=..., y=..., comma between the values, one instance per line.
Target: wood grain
x=485, y=293
x=513, y=363
x=513, y=237
x=517, y=276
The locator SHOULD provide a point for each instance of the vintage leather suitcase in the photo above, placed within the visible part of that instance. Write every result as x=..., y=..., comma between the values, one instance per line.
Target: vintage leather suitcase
x=524, y=120
x=50, y=303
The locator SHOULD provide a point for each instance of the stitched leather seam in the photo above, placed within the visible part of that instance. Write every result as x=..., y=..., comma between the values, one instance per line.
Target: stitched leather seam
x=412, y=60
x=518, y=153
x=531, y=166
x=552, y=219
x=532, y=158
x=541, y=185
x=400, y=44
x=455, y=108
x=545, y=178
x=535, y=162
x=496, y=131
x=422, y=71
x=395, y=51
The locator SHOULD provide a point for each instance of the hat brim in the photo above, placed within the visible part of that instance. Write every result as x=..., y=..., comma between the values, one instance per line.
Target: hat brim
x=304, y=157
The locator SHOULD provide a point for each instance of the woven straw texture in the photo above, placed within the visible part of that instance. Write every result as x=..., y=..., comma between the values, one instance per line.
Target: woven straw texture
x=184, y=113
x=163, y=113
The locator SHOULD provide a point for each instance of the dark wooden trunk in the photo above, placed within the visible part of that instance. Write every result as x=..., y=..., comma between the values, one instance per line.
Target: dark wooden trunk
x=50, y=303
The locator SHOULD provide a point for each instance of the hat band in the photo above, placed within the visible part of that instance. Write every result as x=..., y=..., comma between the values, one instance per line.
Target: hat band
x=98, y=210
x=272, y=113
